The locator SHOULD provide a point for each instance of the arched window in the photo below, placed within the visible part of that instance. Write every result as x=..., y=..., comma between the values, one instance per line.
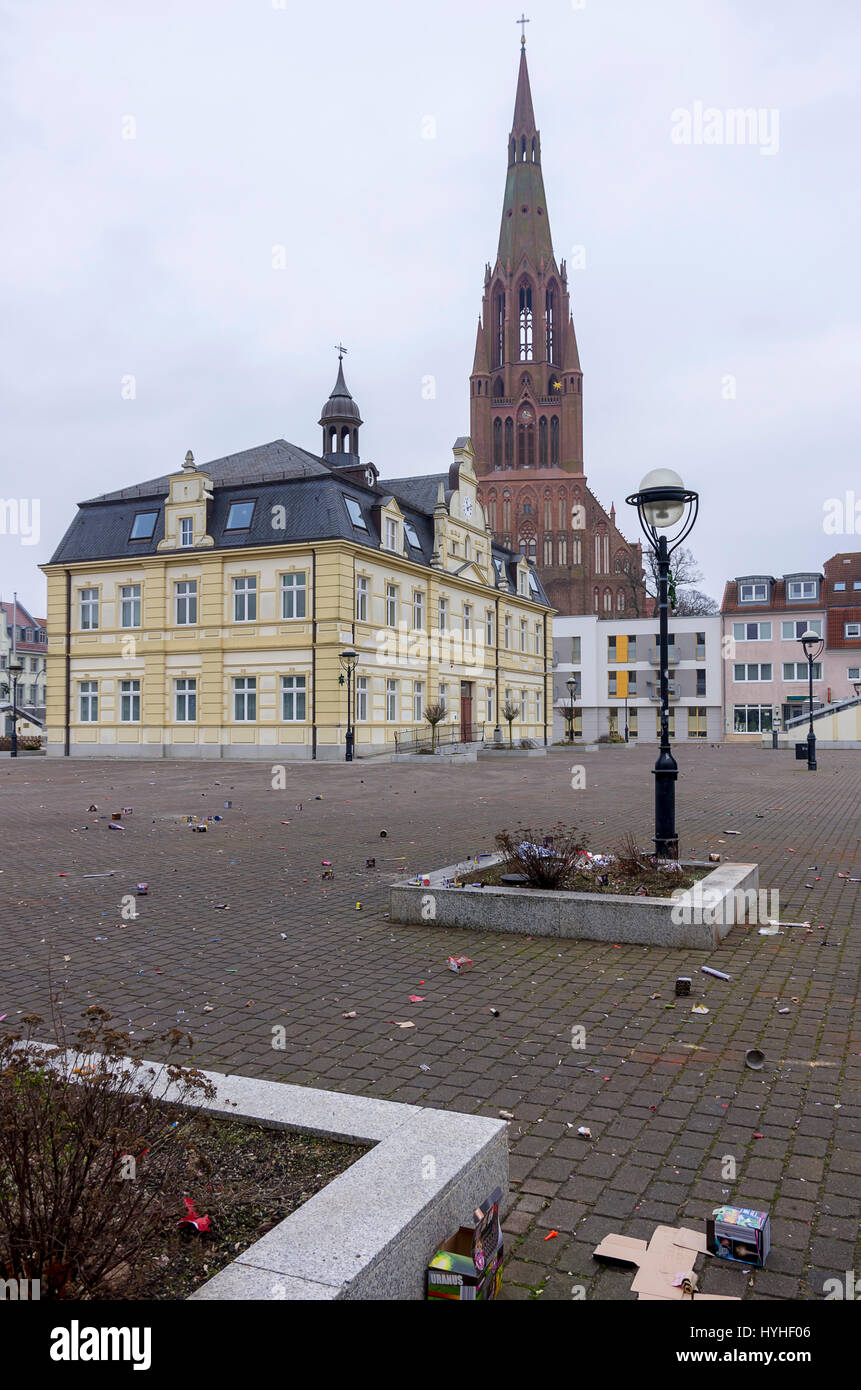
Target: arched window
x=563, y=511
x=497, y=443
x=548, y=550
x=514, y=152
x=533, y=149
x=509, y=443
x=499, y=327
x=563, y=550
x=548, y=510
x=523, y=149
x=542, y=442
x=526, y=351
x=595, y=597
x=499, y=388
x=576, y=551
x=597, y=554
x=554, y=441
x=506, y=511
x=333, y=441
x=620, y=602
x=606, y=553
x=345, y=440
x=550, y=320
x=491, y=503
x=526, y=445
x=608, y=601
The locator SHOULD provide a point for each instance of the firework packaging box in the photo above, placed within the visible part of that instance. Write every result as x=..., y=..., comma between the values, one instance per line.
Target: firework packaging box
x=739, y=1234
x=468, y=1267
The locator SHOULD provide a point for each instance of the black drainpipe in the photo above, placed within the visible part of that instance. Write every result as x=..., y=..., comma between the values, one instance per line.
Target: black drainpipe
x=67, y=742
x=546, y=741
x=313, y=656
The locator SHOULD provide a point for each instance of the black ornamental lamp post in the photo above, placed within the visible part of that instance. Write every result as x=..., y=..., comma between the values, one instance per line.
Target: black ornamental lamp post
x=572, y=686
x=813, y=647
x=349, y=662
x=665, y=505
x=15, y=669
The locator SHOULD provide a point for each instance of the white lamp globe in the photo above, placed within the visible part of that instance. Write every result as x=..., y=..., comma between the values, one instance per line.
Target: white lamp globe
x=662, y=514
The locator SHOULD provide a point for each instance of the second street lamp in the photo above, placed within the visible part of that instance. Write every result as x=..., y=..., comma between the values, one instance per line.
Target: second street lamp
x=813, y=647
x=349, y=662
x=572, y=686
x=15, y=669
x=665, y=504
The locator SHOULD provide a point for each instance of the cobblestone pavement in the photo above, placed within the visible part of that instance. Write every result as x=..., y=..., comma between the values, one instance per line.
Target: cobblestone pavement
x=664, y=1092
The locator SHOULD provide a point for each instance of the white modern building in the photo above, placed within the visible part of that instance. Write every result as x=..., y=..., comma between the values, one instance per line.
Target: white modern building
x=616, y=673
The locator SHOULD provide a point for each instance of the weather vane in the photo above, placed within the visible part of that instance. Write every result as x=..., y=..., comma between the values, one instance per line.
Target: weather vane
x=341, y=351
x=523, y=21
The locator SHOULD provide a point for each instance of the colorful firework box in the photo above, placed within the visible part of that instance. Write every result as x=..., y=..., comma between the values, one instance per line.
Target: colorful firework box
x=468, y=1267
x=739, y=1234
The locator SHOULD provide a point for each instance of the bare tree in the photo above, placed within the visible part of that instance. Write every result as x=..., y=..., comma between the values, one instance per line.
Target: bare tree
x=510, y=712
x=433, y=715
x=685, y=600
x=631, y=572
x=693, y=603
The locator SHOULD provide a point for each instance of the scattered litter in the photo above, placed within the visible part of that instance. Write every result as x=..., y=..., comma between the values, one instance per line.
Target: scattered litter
x=222, y=907
x=552, y=1235
x=718, y=974
x=783, y=1011
x=657, y=1261
x=208, y=1008
x=495, y=1013
x=423, y=1066
x=731, y=832
x=505, y=1115
x=683, y=987
x=700, y=1009
x=115, y=825
x=714, y=858
x=405, y=1025
x=92, y=808
x=110, y=873
x=142, y=889
x=370, y=863
x=754, y=1059
x=350, y=1015
x=468, y=1266
x=584, y=1132
x=191, y=1218
x=384, y=834
x=459, y=964
x=416, y=999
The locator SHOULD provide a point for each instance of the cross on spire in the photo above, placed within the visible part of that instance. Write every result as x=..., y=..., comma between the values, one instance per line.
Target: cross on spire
x=523, y=21
x=341, y=351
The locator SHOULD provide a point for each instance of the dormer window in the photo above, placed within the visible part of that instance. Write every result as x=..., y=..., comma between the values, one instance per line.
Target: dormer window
x=411, y=535
x=392, y=534
x=186, y=531
x=803, y=589
x=753, y=593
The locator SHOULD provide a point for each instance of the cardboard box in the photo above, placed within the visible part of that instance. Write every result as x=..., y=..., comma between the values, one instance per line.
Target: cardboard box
x=468, y=1267
x=739, y=1234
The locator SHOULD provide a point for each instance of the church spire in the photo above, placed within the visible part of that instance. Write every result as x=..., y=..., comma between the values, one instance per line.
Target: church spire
x=525, y=225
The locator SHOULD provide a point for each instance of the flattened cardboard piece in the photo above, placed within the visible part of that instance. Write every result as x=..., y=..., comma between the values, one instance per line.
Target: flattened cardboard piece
x=468, y=1266
x=670, y=1252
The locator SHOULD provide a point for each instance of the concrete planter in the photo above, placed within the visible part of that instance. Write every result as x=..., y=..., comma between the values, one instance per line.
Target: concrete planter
x=370, y=1234
x=699, y=918
x=488, y=754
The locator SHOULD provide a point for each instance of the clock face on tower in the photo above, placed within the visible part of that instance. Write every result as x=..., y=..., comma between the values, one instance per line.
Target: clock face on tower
x=467, y=507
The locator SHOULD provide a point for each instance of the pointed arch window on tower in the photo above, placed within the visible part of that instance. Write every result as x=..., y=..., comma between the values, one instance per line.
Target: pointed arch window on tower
x=548, y=550
x=497, y=443
x=595, y=597
x=548, y=511
x=554, y=441
x=542, y=442
x=563, y=511
x=608, y=601
x=499, y=324
x=493, y=512
x=597, y=554
x=563, y=550
x=526, y=338
x=506, y=511
x=551, y=324
x=509, y=443
x=576, y=551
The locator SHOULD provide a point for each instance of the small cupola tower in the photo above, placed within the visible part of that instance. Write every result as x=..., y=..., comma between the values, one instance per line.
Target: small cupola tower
x=341, y=422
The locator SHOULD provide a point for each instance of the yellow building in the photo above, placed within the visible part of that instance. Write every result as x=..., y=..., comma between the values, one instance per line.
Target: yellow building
x=205, y=613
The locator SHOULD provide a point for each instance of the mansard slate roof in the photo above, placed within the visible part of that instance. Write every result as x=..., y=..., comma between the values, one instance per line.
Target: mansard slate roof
x=279, y=474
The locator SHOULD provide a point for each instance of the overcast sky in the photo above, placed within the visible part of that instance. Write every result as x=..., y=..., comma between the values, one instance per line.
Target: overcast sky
x=710, y=269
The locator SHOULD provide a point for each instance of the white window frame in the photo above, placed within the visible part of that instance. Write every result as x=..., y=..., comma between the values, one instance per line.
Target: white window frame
x=186, y=531
x=130, y=701
x=418, y=701
x=815, y=625
x=747, y=667
x=294, y=696
x=185, y=593
x=244, y=690
x=392, y=534
x=488, y=627
x=244, y=590
x=88, y=702
x=754, y=596
x=852, y=629
x=507, y=631
x=185, y=699
x=524, y=635
x=802, y=671
x=763, y=631
x=391, y=702
x=361, y=699
x=467, y=620
x=88, y=610
x=442, y=615
x=294, y=594
x=798, y=590
x=418, y=610
x=130, y=594
x=392, y=605
x=361, y=598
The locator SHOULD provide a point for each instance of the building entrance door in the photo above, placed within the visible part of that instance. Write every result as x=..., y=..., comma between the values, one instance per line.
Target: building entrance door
x=467, y=732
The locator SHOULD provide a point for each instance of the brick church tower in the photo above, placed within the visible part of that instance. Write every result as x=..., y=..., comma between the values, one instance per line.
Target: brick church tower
x=526, y=404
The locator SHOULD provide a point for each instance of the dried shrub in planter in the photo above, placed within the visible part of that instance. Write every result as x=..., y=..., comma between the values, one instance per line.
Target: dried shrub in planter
x=548, y=860
x=87, y=1145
